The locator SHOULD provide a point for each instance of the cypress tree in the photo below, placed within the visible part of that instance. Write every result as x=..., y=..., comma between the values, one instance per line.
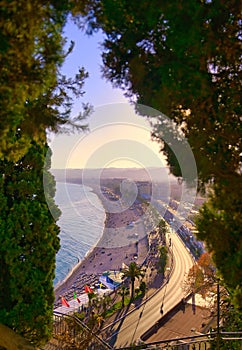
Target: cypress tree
x=28, y=245
x=34, y=97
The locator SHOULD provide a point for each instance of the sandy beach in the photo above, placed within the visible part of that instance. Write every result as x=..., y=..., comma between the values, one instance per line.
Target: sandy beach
x=119, y=244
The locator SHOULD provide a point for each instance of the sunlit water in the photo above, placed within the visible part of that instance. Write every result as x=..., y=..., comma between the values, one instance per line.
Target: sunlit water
x=81, y=223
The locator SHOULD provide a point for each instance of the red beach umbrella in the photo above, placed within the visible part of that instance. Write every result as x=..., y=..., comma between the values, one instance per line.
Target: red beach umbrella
x=64, y=302
x=88, y=289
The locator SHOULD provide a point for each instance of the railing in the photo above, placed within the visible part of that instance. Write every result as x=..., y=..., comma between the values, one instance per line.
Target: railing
x=68, y=328
x=197, y=342
x=86, y=339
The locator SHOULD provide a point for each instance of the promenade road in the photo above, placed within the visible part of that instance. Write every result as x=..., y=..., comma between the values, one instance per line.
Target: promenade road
x=131, y=328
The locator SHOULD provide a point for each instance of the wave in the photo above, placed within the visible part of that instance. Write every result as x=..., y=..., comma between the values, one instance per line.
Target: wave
x=81, y=226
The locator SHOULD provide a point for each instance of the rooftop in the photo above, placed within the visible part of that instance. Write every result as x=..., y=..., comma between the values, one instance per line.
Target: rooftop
x=185, y=319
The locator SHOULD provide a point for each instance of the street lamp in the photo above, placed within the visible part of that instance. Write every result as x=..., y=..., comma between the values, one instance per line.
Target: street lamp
x=218, y=316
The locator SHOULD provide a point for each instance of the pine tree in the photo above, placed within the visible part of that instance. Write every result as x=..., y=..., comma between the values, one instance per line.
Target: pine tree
x=34, y=96
x=184, y=60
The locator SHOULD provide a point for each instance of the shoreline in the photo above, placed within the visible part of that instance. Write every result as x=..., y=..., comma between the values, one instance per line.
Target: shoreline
x=72, y=271
x=105, y=256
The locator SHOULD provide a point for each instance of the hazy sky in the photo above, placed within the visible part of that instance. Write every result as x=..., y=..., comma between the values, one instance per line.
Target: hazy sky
x=117, y=137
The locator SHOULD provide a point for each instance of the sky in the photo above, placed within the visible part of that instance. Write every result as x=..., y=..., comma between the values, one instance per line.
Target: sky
x=117, y=136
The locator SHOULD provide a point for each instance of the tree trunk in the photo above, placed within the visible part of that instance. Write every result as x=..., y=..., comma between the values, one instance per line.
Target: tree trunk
x=132, y=288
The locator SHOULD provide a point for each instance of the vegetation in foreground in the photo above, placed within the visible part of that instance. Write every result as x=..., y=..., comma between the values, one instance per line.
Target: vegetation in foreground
x=184, y=60
x=34, y=98
x=188, y=69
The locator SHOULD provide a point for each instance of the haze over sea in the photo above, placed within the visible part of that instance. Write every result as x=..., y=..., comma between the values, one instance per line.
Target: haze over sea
x=81, y=223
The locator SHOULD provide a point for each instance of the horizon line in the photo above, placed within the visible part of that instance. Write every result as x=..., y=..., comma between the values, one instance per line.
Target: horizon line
x=135, y=168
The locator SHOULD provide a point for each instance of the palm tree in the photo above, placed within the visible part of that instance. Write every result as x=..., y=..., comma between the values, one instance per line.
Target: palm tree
x=92, y=301
x=105, y=302
x=123, y=291
x=133, y=271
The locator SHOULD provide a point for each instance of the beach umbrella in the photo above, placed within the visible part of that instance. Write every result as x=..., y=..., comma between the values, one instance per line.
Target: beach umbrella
x=88, y=289
x=100, y=285
x=75, y=297
x=64, y=302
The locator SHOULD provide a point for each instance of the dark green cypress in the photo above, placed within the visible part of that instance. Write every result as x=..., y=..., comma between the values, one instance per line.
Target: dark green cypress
x=28, y=246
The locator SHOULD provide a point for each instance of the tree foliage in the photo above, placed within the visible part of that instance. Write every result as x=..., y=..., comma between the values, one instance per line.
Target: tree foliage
x=201, y=277
x=34, y=97
x=171, y=56
x=132, y=272
x=163, y=256
x=184, y=59
x=33, y=94
x=232, y=321
x=220, y=225
x=28, y=245
x=123, y=291
x=162, y=229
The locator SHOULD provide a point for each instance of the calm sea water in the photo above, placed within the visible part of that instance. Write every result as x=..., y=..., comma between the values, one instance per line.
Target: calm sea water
x=81, y=223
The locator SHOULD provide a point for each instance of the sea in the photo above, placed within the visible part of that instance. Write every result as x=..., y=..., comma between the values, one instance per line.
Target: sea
x=81, y=226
